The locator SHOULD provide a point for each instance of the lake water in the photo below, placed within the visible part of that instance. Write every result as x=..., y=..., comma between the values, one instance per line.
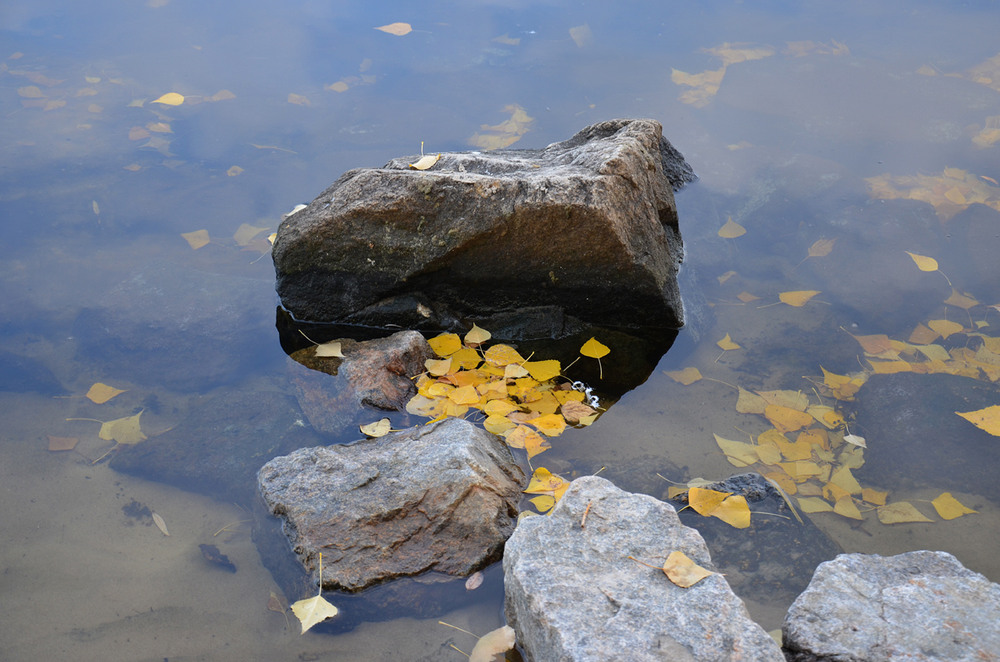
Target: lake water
x=855, y=131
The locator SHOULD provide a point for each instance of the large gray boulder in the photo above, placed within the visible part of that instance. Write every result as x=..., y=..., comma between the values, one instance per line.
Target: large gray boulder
x=441, y=497
x=917, y=606
x=572, y=593
x=586, y=227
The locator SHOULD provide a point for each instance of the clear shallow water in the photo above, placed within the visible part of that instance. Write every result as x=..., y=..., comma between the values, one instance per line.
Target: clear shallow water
x=99, y=183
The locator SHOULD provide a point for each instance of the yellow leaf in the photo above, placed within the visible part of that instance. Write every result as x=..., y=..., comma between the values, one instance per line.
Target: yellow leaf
x=787, y=419
x=960, y=300
x=234, y=171
x=298, y=99
x=923, y=262
x=873, y=496
x=845, y=506
x=502, y=355
x=379, y=428
x=122, y=430
x=732, y=229
x=890, y=367
x=170, y=99
x=438, y=367
x=705, y=501
x=493, y=643
x=425, y=162
x=498, y=424
x=746, y=297
x=544, y=481
x=682, y=571
x=315, y=609
x=726, y=276
x=477, y=336
x=874, y=344
x=767, y=450
x=797, y=298
x=945, y=327
x=543, y=502
x=814, y=505
x=899, y=512
x=734, y=511
x=543, y=370
x=843, y=478
x=338, y=87
x=750, y=403
x=821, y=247
x=738, y=453
x=985, y=419
x=398, y=29
x=594, y=349
x=445, y=344
x=687, y=376
x=727, y=343
x=786, y=398
x=246, y=232
x=948, y=507
x=466, y=358
x=801, y=470
x=100, y=393
x=464, y=395
x=550, y=425
x=922, y=335
x=499, y=407
x=330, y=349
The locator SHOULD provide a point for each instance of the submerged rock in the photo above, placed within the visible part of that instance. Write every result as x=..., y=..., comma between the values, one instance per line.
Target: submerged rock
x=917, y=606
x=436, y=498
x=586, y=227
x=572, y=593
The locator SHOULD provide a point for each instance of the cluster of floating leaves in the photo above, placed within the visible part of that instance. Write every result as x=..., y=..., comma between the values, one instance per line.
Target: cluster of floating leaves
x=808, y=450
x=525, y=402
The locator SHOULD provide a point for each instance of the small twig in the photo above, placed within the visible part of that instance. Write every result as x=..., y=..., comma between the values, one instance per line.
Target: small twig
x=583, y=520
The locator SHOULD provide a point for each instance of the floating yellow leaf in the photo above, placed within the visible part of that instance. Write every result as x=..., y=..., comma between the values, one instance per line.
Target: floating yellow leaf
x=845, y=506
x=550, y=424
x=734, y=511
x=732, y=229
x=786, y=398
x=170, y=99
x=814, y=505
x=923, y=262
x=502, y=355
x=445, y=344
x=246, y=232
x=543, y=370
x=740, y=454
x=874, y=344
x=315, y=609
x=498, y=424
x=122, y=430
x=682, y=571
x=704, y=501
x=985, y=419
x=945, y=327
x=959, y=300
x=100, y=393
x=594, y=349
x=477, y=336
x=464, y=395
x=948, y=507
x=899, y=512
x=379, y=428
x=890, y=367
x=330, y=349
x=438, y=367
x=425, y=162
x=62, y=443
x=687, y=376
x=398, y=29
x=797, y=298
x=727, y=343
x=843, y=478
x=787, y=419
x=873, y=496
x=821, y=247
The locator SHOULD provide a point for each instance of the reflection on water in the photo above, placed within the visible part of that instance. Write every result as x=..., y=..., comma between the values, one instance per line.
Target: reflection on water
x=873, y=126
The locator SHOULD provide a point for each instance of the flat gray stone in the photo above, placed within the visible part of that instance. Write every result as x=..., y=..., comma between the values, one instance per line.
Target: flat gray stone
x=572, y=593
x=913, y=607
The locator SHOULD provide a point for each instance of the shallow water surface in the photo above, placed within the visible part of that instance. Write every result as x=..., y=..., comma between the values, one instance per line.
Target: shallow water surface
x=838, y=138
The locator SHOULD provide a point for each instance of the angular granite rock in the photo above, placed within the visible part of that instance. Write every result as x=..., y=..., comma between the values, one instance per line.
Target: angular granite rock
x=572, y=593
x=587, y=225
x=917, y=606
x=437, y=498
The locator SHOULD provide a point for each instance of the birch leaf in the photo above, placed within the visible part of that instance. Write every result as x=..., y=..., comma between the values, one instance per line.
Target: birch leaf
x=122, y=430
x=100, y=393
x=682, y=571
x=727, y=343
x=797, y=298
x=732, y=229
x=170, y=99
x=594, y=349
x=196, y=239
x=379, y=428
x=821, y=247
x=900, y=512
x=948, y=507
x=315, y=609
x=425, y=162
x=987, y=419
x=687, y=376
x=477, y=336
x=330, y=349
x=923, y=262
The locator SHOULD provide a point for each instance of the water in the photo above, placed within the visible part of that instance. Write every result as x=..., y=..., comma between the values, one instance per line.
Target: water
x=99, y=183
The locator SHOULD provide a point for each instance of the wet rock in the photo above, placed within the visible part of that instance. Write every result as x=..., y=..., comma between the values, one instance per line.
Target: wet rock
x=180, y=328
x=221, y=444
x=376, y=373
x=917, y=606
x=587, y=226
x=572, y=593
x=22, y=374
x=771, y=560
x=915, y=440
x=432, y=498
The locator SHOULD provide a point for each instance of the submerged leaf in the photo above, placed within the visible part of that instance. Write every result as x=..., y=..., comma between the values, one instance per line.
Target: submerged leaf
x=122, y=430
x=948, y=507
x=732, y=229
x=798, y=298
x=315, y=609
x=899, y=512
x=987, y=419
x=196, y=239
x=398, y=29
x=687, y=376
x=100, y=393
x=329, y=349
x=492, y=644
x=727, y=343
x=923, y=262
x=170, y=99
